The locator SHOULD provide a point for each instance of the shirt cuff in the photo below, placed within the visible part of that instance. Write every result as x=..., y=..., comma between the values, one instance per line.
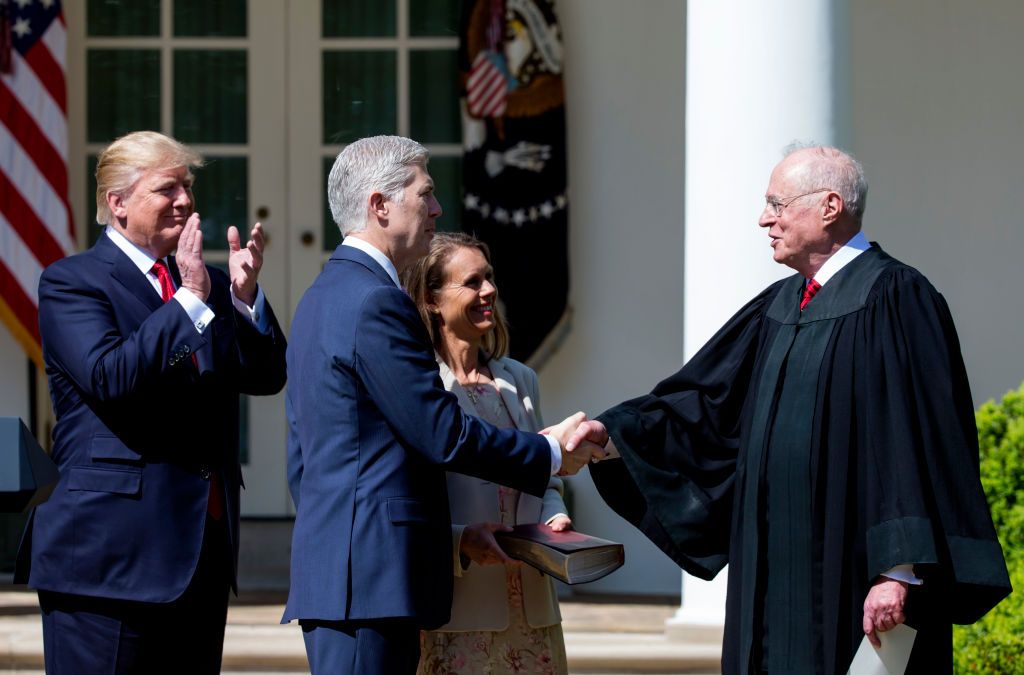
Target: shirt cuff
x=257, y=314
x=557, y=515
x=198, y=311
x=613, y=452
x=556, y=454
x=904, y=573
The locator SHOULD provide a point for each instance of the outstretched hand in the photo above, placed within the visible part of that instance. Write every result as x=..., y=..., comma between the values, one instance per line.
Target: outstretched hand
x=883, y=608
x=244, y=264
x=582, y=442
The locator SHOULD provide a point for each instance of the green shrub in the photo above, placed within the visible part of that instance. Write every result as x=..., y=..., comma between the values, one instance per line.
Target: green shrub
x=996, y=643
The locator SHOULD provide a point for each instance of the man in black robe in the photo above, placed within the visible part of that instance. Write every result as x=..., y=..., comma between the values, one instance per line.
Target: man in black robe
x=823, y=445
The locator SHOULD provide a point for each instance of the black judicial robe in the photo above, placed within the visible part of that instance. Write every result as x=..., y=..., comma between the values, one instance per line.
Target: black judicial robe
x=811, y=452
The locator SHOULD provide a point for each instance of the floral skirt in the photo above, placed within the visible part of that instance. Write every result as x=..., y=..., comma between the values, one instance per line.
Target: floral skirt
x=517, y=649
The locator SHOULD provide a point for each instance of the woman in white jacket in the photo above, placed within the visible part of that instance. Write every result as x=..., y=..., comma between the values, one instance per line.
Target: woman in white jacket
x=504, y=615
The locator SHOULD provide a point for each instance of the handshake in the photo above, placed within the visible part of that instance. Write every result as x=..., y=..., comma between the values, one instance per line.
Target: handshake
x=582, y=442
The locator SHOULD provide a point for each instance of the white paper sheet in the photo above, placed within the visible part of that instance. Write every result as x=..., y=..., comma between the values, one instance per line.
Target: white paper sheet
x=890, y=659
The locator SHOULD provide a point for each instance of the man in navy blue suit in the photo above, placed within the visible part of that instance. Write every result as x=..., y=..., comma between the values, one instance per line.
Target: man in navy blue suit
x=146, y=353
x=372, y=430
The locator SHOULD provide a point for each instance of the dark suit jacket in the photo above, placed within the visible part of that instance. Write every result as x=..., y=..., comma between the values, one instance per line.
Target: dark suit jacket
x=139, y=427
x=371, y=432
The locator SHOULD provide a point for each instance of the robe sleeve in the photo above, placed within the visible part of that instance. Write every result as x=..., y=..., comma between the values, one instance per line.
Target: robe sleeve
x=679, y=447
x=922, y=491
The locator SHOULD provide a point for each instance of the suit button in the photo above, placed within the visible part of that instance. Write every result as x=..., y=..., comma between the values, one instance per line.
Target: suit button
x=205, y=473
x=185, y=349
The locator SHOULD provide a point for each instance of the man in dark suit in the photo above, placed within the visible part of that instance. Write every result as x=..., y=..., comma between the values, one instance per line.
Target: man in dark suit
x=134, y=553
x=372, y=430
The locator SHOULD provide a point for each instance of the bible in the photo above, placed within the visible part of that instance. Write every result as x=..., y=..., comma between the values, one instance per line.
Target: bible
x=572, y=557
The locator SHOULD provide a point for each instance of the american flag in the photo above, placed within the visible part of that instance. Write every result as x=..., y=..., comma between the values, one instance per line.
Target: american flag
x=487, y=86
x=486, y=89
x=35, y=218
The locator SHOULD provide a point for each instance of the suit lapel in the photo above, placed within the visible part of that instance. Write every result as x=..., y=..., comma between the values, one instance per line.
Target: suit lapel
x=127, y=274
x=510, y=395
x=452, y=385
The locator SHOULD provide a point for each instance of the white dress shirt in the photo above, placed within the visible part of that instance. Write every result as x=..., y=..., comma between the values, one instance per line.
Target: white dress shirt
x=198, y=311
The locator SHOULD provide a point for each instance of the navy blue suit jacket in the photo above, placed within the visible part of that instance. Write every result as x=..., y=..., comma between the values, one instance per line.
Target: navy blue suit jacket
x=139, y=427
x=371, y=433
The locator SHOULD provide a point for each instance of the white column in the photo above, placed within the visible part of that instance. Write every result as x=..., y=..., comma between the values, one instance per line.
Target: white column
x=759, y=75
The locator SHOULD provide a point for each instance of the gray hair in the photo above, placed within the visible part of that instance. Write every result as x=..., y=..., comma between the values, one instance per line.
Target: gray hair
x=383, y=164
x=832, y=168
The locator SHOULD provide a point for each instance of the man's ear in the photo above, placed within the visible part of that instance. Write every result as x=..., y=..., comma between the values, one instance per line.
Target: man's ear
x=832, y=208
x=115, y=203
x=379, y=205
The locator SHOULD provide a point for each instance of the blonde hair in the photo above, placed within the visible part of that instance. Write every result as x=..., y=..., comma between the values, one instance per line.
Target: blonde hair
x=425, y=279
x=123, y=162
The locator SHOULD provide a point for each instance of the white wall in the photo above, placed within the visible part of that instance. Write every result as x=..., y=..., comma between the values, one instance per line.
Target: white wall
x=625, y=66
x=937, y=116
x=13, y=377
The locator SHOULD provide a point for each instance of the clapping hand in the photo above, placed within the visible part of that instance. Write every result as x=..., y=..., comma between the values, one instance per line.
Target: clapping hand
x=244, y=263
x=189, y=259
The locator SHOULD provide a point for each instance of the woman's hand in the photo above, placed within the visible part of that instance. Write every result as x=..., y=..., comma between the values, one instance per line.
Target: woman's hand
x=560, y=523
x=479, y=545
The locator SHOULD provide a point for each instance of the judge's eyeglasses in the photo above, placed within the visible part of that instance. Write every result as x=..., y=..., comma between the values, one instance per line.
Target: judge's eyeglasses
x=776, y=205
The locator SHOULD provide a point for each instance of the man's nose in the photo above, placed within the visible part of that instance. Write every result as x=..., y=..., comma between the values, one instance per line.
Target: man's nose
x=435, y=207
x=767, y=217
x=183, y=197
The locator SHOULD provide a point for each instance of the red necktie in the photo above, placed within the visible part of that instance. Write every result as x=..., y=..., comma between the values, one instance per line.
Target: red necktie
x=163, y=275
x=810, y=290
x=215, y=505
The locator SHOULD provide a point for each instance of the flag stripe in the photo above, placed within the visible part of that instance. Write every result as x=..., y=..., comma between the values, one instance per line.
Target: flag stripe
x=33, y=97
x=36, y=227
x=20, y=262
x=31, y=138
x=482, y=70
x=496, y=100
x=483, y=88
x=23, y=174
x=49, y=72
x=23, y=309
x=55, y=39
x=21, y=306
x=27, y=340
x=28, y=226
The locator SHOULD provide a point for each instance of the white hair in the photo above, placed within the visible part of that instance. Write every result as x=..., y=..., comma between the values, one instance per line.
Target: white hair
x=383, y=164
x=836, y=170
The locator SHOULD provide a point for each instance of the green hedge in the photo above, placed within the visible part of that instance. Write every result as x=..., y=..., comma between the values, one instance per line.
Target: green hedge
x=996, y=643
